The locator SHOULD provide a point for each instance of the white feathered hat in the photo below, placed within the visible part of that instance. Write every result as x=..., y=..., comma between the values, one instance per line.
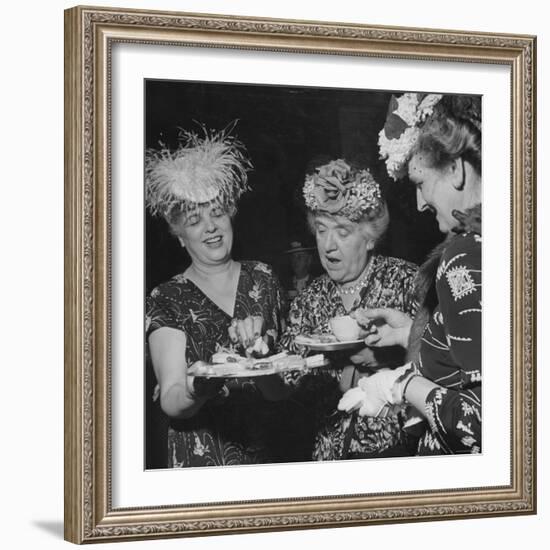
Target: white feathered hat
x=202, y=169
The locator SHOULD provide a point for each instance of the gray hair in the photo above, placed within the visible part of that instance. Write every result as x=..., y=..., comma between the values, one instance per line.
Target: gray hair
x=373, y=224
x=446, y=136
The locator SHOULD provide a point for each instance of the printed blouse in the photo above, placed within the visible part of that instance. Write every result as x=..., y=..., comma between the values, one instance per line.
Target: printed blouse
x=239, y=427
x=450, y=352
x=333, y=434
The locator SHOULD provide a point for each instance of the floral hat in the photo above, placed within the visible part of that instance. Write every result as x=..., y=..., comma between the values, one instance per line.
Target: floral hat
x=406, y=114
x=338, y=188
x=202, y=169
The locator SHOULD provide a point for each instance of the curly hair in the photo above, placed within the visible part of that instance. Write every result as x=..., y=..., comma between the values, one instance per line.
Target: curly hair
x=452, y=131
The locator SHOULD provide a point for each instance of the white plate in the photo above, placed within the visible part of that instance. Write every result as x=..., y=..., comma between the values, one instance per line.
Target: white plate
x=236, y=373
x=327, y=346
x=233, y=370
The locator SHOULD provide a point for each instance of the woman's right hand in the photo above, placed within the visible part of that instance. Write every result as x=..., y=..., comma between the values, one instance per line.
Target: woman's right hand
x=385, y=326
x=181, y=394
x=203, y=388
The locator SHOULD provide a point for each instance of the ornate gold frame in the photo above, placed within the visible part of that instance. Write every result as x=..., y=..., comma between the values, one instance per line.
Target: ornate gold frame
x=89, y=35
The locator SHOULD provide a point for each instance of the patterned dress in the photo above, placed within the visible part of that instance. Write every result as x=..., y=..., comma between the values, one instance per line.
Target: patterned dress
x=239, y=427
x=332, y=434
x=450, y=352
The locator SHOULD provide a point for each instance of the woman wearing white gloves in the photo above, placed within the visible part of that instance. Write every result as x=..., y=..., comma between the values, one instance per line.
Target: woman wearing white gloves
x=442, y=381
x=349, y=216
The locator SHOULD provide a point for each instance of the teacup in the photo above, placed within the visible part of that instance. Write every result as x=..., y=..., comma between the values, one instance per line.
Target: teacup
x=345, y=328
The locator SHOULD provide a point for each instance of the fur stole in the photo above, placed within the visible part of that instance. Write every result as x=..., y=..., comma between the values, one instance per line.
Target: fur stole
x=424, y=291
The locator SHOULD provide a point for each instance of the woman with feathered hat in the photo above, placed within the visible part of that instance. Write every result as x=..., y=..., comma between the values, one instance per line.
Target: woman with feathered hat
x=216, y=302
x=436, y=141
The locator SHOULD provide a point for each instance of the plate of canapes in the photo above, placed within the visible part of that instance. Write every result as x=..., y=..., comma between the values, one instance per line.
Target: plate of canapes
x=231, y=365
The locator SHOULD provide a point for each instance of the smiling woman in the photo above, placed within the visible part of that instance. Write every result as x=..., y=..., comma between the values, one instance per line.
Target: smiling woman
x=214, y=301
x=206, y=233
x=442, y=380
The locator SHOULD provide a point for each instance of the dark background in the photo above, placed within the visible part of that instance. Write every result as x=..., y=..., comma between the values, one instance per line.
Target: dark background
x=287, y=132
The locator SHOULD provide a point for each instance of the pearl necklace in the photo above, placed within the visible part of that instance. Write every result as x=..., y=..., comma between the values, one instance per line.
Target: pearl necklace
x=346, y=291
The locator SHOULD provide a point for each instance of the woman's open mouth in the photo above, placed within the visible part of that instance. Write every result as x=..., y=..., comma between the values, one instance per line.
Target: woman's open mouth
x=213, y=241
x=332, y=261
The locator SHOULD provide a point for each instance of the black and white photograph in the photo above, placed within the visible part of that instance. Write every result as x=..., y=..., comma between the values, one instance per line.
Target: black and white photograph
x=274, y=254
x=312, y=274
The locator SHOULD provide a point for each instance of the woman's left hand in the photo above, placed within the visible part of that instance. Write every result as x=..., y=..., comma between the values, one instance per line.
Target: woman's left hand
x=204, y=388
x=377, y=394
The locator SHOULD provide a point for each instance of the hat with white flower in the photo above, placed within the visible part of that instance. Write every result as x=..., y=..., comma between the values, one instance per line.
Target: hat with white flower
x=396, y=140
x=341, y=189
x=200, y=170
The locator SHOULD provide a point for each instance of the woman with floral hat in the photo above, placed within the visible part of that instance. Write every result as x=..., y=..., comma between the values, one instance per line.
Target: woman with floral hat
x=216, y=302
x=436, y=140
x=349, y=217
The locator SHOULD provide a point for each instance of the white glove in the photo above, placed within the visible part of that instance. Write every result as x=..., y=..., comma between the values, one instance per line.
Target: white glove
x=377, y=393
x=352, y=399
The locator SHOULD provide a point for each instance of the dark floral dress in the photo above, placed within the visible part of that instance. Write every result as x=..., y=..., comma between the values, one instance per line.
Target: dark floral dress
x=239, y=427
x=332, y=434
x=450, y=352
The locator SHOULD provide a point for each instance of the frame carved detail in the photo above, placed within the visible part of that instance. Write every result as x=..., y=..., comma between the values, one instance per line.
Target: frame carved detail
x=88, y=521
